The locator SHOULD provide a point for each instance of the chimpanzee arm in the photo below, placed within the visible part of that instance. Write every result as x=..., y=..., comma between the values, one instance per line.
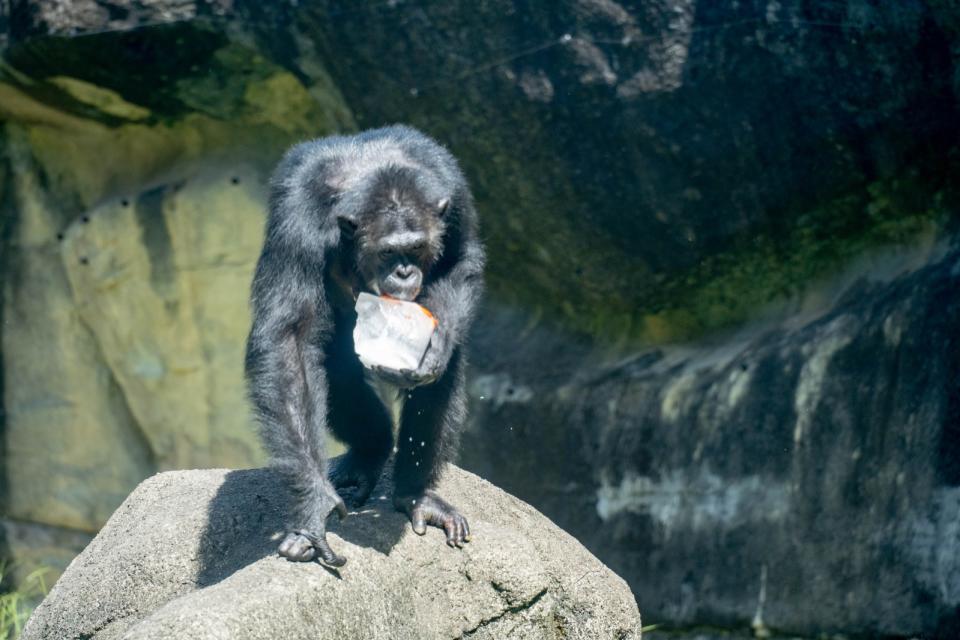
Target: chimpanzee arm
x=451, y=296
x=452, y=299
x=288, y=386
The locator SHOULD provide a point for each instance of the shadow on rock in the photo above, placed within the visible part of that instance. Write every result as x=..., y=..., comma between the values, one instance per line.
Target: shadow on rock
x=375, y=524
x=246, y=521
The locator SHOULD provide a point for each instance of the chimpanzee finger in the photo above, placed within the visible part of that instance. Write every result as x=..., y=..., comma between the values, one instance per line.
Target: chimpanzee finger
x=390, y=371
x=324, y=552
x=394, y=376
x=450, y=528
x=327, y=554
x=423, y=377
x=466, y=531
x=461, y=532
x=418, y=522
x=341, y=509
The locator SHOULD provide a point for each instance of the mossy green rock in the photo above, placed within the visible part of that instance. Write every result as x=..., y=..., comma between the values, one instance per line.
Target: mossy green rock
x=121, y=342
x=134, y=221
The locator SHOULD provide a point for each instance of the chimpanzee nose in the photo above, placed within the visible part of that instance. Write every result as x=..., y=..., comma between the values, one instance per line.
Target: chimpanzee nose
x=404, y=271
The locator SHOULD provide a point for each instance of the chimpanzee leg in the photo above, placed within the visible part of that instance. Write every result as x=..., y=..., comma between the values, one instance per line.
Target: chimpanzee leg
x=429, y=429
x=357, y=418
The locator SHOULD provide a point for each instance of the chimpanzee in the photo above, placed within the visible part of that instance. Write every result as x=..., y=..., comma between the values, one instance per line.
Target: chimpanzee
x=389, y=212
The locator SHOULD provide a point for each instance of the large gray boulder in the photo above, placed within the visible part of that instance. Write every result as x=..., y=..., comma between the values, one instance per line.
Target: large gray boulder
x=191, y=554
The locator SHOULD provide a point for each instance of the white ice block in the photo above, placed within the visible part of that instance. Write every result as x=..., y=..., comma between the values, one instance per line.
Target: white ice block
x=391, y=333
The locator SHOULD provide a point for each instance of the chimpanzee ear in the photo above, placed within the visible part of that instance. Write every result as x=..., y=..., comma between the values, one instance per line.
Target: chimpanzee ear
x=348, y=226
x=442, y=207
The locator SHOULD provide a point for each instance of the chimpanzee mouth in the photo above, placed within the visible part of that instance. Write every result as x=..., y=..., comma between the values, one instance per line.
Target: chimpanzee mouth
x=407, y=294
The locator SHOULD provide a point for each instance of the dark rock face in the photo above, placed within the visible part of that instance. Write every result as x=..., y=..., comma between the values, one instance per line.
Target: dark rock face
x=25, y=19
x=192, y=554
x=802, y=475
x=644, y=171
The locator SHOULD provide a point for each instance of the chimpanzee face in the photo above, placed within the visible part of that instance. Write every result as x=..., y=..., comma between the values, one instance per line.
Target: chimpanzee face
x=396, y=240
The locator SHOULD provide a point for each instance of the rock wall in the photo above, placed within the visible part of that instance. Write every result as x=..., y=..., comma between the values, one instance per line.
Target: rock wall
x=654, y=172
x=133, y=223
x=799, y=475
x=670, y=192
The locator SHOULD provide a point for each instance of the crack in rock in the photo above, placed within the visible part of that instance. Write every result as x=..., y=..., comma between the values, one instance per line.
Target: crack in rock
x=522, y=606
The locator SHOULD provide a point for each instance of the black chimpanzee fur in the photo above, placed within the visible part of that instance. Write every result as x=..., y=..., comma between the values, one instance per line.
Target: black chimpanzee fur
x=389, y=212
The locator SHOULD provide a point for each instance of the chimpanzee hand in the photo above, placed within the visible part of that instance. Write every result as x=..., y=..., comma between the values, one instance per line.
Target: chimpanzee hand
x=303, y=545
x=430, y=509
x=432, y=366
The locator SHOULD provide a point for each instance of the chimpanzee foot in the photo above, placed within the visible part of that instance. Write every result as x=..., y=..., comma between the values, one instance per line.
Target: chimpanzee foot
x=301, y=545
x=297, y=547
x=354, y=478
x=431, y=509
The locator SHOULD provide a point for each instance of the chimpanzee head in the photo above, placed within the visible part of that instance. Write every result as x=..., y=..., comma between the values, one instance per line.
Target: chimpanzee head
x=396, y=233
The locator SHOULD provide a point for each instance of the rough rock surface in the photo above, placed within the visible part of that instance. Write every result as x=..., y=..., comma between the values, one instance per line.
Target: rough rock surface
x=803, y=474
x=77, y=17
x=191, y=554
